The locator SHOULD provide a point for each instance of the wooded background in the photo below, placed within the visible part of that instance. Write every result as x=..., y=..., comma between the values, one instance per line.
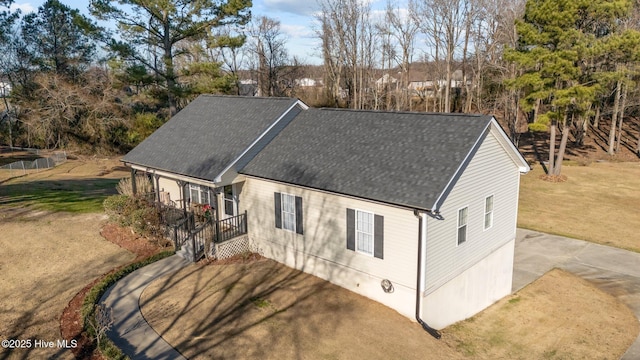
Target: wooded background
x=560, y=68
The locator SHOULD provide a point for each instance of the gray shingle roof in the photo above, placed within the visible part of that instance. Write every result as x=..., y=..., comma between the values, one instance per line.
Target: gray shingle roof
x=400, y=158
x=207, y=135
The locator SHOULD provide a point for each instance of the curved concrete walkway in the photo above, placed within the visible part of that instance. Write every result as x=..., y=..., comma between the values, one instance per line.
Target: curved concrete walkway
x=130, y=331
x=612, y=270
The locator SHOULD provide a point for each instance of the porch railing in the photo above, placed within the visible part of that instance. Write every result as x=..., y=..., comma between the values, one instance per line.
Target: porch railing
x=202, y=234
x=185, y=226
x=179, y=231
x=229, y=228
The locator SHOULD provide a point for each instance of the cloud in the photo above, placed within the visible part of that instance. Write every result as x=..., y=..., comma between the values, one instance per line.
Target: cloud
x=296, y=31
x=25, y=8
x=297, y=7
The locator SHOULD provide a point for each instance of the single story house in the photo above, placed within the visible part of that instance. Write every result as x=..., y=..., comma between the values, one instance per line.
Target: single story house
x=414, y=210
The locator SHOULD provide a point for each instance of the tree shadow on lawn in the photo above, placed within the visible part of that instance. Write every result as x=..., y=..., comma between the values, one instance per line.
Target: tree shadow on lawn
x=32, y=310
x=241, y=310
x=59, y=195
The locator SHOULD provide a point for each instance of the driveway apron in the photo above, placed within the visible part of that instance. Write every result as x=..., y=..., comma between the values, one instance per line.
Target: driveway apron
x=612, y=270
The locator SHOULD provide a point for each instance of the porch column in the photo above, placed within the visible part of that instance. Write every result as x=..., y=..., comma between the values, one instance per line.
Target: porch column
x=157, y=186
x=217, y=228
x=217, y=195
x=184, y=202
x=134, y=187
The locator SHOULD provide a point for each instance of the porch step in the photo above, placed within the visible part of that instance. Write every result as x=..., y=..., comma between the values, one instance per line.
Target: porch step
x=186, y=251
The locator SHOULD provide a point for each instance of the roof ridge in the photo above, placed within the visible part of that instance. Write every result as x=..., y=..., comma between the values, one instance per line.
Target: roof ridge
x=250, y=97
x=403, y=112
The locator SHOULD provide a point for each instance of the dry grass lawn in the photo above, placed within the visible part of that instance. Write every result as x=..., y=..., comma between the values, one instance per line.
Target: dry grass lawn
x=558, y=316
x=50, y=222
x=47, y=257
x=264, y=310
x=598, y=203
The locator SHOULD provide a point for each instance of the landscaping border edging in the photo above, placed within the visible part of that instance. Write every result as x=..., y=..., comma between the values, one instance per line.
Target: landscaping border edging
x=107, y=347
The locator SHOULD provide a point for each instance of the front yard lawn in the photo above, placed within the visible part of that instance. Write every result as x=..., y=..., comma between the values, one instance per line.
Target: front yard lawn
x=265, y=310
x=598, y=203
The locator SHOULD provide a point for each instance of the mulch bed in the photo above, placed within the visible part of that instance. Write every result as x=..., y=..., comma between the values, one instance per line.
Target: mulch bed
x=71, y=320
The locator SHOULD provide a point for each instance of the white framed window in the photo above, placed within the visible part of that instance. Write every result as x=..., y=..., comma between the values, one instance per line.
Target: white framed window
x=364, y=232
x=288, y=212
x=462, y=224
x=229, y=208
x=488, y=212
x=199, y=194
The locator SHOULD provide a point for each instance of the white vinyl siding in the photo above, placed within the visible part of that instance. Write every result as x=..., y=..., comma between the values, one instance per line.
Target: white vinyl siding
x=323, y=248
x=364, y=232
x=490, y=171
x=462, y=225
x=324, y=244
x=488, y=212
x=288, y=212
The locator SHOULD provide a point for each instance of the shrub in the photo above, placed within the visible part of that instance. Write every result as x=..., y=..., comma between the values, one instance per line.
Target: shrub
x=115, y=205
x=143, y=186
x=135, y=212
x=145, y=220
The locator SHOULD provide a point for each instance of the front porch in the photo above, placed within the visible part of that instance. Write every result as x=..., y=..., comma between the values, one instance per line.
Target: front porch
x=195, y=237
x=199, y=217
x=196, y=233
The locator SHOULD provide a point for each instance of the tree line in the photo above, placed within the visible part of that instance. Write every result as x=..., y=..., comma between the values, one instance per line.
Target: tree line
x=559, y=66
x=565, y=67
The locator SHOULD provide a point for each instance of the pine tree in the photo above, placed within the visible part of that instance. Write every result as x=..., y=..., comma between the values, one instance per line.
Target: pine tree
x=559, y=44
x=147, y=26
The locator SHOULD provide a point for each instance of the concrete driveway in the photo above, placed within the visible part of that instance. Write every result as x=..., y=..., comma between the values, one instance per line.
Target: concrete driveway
x=612, y=270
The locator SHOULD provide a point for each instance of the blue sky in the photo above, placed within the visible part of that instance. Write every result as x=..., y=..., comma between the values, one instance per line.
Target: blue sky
x=295, y=16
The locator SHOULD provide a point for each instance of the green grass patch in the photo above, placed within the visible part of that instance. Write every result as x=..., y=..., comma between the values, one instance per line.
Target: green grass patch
x=515, y=300
x=467, y=348
x=550, y=354
x=260, y=302
x=75, y=196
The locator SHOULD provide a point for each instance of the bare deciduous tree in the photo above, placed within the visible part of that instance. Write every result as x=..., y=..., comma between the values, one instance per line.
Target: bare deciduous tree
x=403, y=29
x=270, y=55
x=443, y=22
x=347, y=37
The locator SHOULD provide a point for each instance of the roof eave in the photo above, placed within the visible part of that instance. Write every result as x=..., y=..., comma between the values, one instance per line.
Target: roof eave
x=512, y=150
x=463, y=164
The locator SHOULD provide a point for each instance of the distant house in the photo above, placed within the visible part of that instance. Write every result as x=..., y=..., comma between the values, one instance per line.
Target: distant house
x=386, y=80
x=421, y=86
x=416, y=211
x=308, y=82
x=248, y=87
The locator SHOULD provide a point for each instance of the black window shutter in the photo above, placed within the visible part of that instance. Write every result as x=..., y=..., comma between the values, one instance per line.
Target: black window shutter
x=351, y=229
x=378, y=237
x=299, y=227
x=278, y=209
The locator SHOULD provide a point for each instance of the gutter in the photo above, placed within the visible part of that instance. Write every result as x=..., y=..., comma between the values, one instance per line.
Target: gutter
x=421, y=222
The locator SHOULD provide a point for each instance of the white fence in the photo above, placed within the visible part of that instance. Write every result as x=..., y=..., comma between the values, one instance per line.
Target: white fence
x=20, y=168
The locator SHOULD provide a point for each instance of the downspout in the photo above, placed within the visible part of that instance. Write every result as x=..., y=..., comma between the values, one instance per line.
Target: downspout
x=435, y=333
